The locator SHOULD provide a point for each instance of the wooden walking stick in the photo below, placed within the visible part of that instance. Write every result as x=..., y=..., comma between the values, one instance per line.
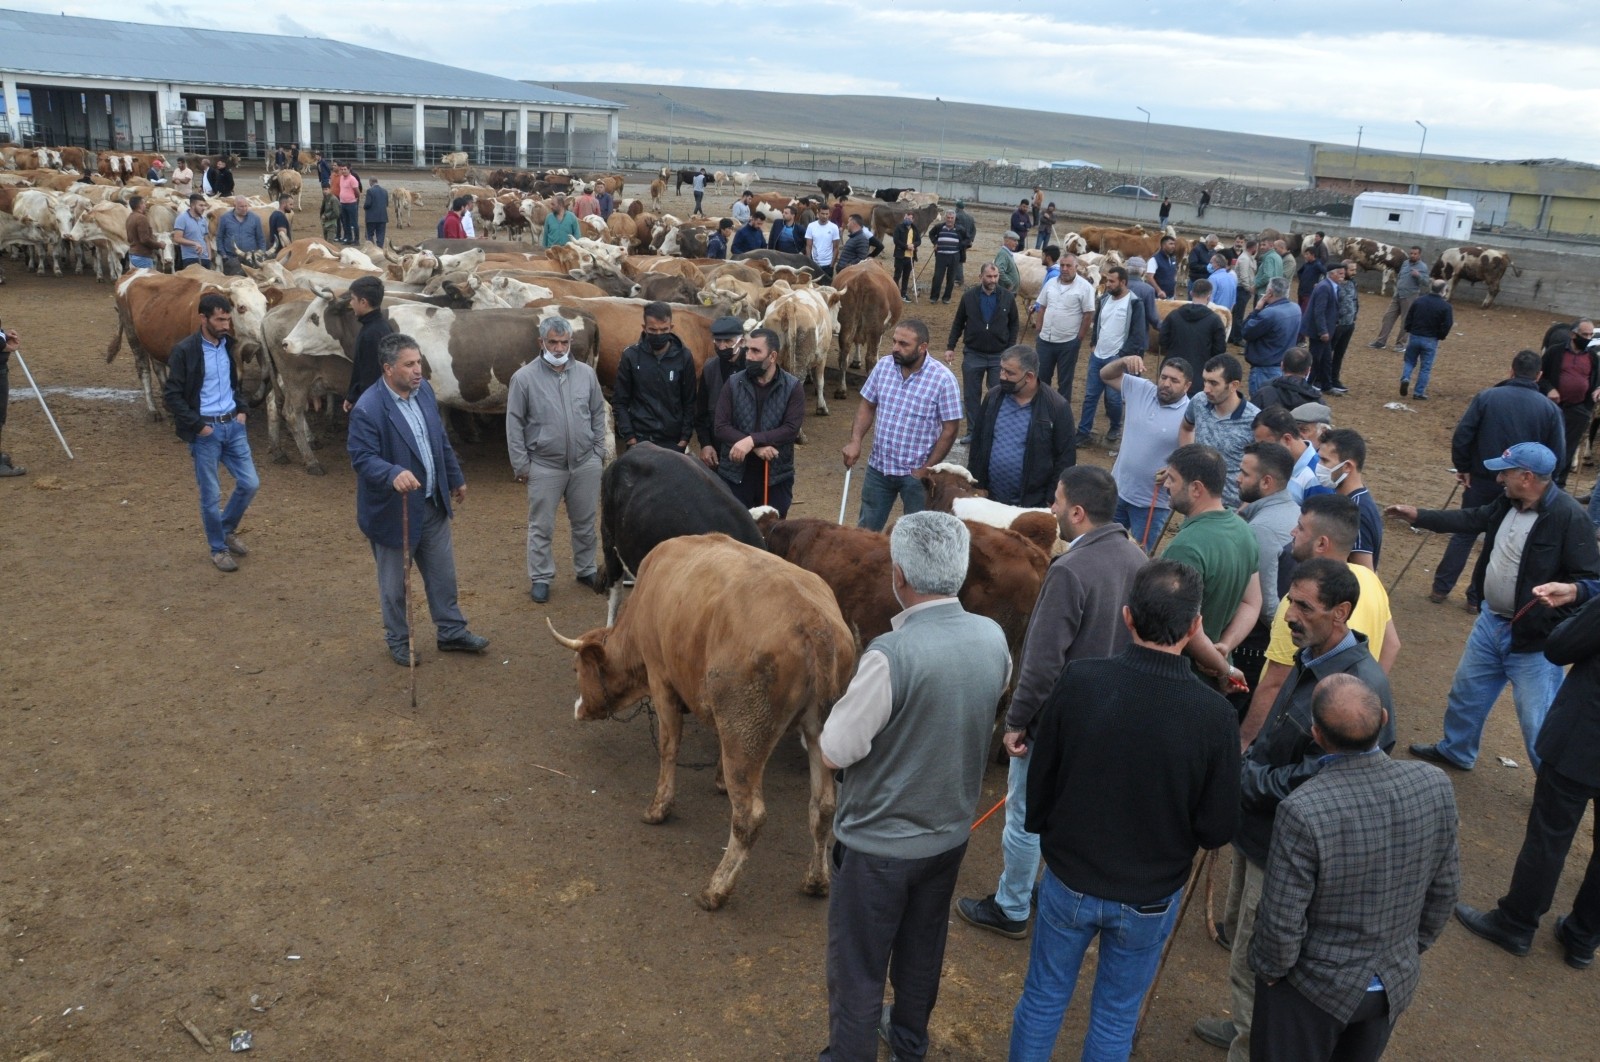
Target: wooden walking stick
x=405, y=545
x=1166, y=950
x=766, y=482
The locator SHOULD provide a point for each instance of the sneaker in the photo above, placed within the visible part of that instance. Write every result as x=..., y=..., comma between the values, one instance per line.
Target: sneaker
x=1218, y=1032
x=1081, y=441
x=7, y=469
x=986, y=914
x=1399, y=348
x=1376, y=344
x=1112, y=438
x=1420, y=397
x=235, y=547
x=224, y=561
x=399, y=655
x=540, y=593
x=1336, y=390
x=1405, y=388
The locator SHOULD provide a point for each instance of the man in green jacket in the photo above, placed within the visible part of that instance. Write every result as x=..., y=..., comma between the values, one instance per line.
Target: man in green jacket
x=561, y=225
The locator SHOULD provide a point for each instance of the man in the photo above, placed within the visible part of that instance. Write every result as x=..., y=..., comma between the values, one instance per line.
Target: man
x=324, y=172
x=375, y=209
x=1269, y=267
x=1326, y=527
x=1221, y=547
x=604, y=201
x=1569, y=744
x=1269, y=332
x=1271, y=512
x=1282, y=757
x=787, y=235
x=1051, y=257
x=1200, y=260
x=1291, y=389
x=727, y=341
x=1142, y=291
x=451, y=227
x=1319, y=246
x=1021, y=221
x=280, y=158
x=1360, y=877
x=1119, y=332
x=1409, y=282
x=1005, y=260
x=969, y=235
x=239, y=234
x=859, y=245
x=758, y=418
x=1163, y=268
x=1275, y=424
x=750, y=237
x=949, y=244
x=717, y=244
x=1307, y=276
x=9, y=342
x=1535, y=534
x=653, y=398
x=469, y=213
x=556, y=437
x=328, y=214
x=279, y=234
x=1320, y=319
x=907, y=246
x=142, y=246
x=1155, y=413
x=1078, y=617
x=1136, y=768
x=1341, y=456
x=222, y=179
x=1063, y=314
x=986, y=322
x=1349, y=310
x=561, y=225
x=366, y=297
x=1022, y=439
x=190, y=235
x=1496, y=419
x=1429, y=321
x=921, y=410
x=698, y=186
x=208, y=410
x=1244, y=271
x=586, y=204
x=1224, y=285
x=1194, y=333
x=741, y=208
x=1223, y=420
x=822, y=239
x=1203, y=202
x=912, y=736
x=1570, y=376
x=402, y=456
x=348, y=189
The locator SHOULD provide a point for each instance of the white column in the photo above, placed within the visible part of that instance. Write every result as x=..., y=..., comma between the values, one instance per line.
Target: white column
x=249, y=121
x=477, y=142
x=611, y=140
x=544, y=138
x=522, y=138
x=13, y=109
x=270, y=109
x=419, y=135
x=302, y=114
x=381, y=121
x=567, y=120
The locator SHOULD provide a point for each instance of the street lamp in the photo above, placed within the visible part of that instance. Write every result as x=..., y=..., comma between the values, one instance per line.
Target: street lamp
x=938, y=170
x=1139, y=193
x=1416, y=176
x=672, y=121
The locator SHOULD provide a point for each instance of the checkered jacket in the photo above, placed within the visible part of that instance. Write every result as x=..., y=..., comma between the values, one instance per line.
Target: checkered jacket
x=1361, y=877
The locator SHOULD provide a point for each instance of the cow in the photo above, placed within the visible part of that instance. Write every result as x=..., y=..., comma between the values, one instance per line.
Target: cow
x=685, y=176
x=662, y=287
x=404, y=200
x=658, y=188
x=805, y=320
x=869, y=306
x=620, y=322
x=891, y=195
x=884, y=217
x=1473, y=264
x=1372, y=255
x=757, y=646
x=453, y=158
x=777, y=258
x=743, y=181
x=836, y=189
x=283, y=182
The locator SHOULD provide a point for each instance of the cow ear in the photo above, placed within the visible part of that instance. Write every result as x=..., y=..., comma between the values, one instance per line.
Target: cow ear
x=273, y=295
x=575, y=274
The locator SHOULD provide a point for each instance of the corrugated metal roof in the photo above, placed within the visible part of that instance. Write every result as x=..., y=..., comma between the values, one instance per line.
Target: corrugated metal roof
x=130, y=51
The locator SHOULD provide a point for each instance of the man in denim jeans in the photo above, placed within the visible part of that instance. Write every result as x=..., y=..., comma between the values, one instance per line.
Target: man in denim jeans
x=915, y=403
x=208, y=409
x=1120, y=331
x=1135, y=766
x=1429, y=322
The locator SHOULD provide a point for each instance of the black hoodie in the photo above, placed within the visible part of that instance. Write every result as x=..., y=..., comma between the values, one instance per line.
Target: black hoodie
x=1196, y=334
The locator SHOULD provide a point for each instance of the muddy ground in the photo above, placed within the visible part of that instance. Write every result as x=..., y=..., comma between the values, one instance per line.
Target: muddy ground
x=217, y=805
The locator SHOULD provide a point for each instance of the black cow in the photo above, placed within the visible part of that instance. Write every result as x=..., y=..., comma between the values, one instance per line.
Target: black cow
x=686, y=176
x=651, y=494
x=891, y=195
x=837, y=189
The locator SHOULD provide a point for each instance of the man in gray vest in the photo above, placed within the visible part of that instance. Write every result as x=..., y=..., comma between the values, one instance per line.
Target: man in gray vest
x=911, y=736
x=757, y=420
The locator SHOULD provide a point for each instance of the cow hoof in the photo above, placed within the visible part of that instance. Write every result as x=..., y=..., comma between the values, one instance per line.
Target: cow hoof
x=841, y=393
x=822, y=411
x=314, y=469
x=710, y=901
x=656, y=816
x=280, y=459
x=814, y=886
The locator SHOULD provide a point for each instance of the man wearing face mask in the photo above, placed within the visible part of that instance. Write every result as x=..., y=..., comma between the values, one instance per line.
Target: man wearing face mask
x=758, y=419
x=1340, y=458
x=727, y=337
x=1022, y=441
x=653, y=399
x=556, y=434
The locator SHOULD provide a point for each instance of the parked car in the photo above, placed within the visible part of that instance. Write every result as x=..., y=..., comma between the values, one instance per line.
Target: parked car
x=1133, y=191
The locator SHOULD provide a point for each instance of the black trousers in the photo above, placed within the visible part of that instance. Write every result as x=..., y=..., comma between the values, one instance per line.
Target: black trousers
x=1287, y=1025
x=886, y=917
x=1479, y=492
x=1240, y=303
x=1576, y=420
x=944, y=272
x=1558, y=807
x=978, y=373
x=1341, y=343
x=902, y=274
x=752, y=491
x=1321, y=362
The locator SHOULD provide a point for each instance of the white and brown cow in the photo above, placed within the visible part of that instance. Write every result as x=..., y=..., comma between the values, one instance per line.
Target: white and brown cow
x=1374, y=255
x=1473, y=264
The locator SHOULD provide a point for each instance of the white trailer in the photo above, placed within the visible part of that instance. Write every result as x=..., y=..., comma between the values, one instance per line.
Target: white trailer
x=1419, y=214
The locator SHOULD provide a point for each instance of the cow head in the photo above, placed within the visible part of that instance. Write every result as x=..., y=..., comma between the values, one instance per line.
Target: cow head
x=603, y=687
x=944, y=483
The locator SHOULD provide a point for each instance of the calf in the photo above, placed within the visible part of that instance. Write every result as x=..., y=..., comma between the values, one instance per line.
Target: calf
x=836, y=189
x=891, y=195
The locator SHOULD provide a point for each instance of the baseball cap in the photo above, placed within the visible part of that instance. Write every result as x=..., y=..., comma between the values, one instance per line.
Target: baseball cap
x=724, y=327
x=1534, y=457
x=961, y=204
x=1313, y=413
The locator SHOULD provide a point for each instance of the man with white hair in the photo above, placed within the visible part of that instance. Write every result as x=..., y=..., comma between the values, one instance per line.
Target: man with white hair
x=912, y=737
x=238, y=233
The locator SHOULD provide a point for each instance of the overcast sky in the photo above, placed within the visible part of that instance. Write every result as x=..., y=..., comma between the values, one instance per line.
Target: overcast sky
x=1498, y=80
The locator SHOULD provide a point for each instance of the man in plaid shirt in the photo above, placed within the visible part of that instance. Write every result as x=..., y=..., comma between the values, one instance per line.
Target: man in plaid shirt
x=920, y=406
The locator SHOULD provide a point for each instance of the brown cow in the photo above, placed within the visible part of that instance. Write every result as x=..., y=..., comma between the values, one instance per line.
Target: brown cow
x=1473, y=264
x=869, y=307
x=758, y=646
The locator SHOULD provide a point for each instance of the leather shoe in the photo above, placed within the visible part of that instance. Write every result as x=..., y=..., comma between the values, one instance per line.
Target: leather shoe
x=1578, y=957
x=465, y=642
x=1491, y=927
x=540, y=593
x=224, y=561
x=1218, y=1032
x=986, y=914
x=235, y=547
x=1432, y=754
x=398, y=654
x=1437, y=598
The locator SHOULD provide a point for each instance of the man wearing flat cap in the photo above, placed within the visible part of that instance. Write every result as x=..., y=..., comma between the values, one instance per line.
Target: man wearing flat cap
x=727, y=337
x=1005, y=260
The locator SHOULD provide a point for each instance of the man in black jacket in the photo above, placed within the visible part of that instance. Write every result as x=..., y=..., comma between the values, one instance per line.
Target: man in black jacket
x=859, y=245
x=208, y=410
x=1570, y=376
x=653, y=400
x=366, y=297
x=1292, y=389
x=1429, y=322
x=907, y=245
x=727, y=338
x=1194, y=333
x=1533, y=535
x=986, y=322
x=1022, y=440
x=1569, y=780
x=1497, y=418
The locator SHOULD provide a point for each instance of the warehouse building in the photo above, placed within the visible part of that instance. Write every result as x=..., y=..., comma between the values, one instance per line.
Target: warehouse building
x=113, y=86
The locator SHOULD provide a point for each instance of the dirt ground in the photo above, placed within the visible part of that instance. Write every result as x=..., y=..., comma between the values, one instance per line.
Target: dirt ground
x=218, y=807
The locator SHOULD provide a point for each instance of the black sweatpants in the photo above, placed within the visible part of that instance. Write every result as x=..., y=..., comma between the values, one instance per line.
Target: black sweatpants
x=1287, y=1025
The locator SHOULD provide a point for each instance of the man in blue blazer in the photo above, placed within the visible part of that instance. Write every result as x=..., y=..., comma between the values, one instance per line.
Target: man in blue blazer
x=402, y=457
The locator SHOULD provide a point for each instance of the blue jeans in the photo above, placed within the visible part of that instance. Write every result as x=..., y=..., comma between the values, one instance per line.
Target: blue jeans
x=228, y=445
x=1133, y=517
x=879, y=492
x=1261, y=375
x=1014, y=894
x=1093, y=388
x=1062, y=357
x=1487, y=664
x=1423, y=349
x=139, y=261
x=1130, y=947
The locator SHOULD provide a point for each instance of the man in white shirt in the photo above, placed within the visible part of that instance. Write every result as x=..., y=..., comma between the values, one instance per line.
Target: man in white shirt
x=822, y=237
x=1063, y=313
x=1155, y=416
x=1119, y=331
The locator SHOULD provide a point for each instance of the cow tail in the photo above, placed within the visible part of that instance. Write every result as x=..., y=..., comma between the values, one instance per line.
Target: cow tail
x=116, y=342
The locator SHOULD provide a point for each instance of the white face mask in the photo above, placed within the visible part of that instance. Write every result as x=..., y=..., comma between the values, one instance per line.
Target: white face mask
x=1328, y=480
x=557, y=360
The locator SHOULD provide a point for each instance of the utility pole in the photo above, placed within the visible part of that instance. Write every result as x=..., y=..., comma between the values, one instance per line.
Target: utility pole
x=1416, y=176
x=938, y=171
x=1356, y=164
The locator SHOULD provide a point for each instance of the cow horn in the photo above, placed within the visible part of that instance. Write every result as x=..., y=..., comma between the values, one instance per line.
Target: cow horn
x=570, y=643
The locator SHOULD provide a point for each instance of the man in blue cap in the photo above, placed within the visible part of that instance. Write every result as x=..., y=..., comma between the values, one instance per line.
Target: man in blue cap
x=1535, y=534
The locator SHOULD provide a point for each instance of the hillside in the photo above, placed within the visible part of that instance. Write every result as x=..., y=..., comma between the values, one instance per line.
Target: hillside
x=762, y=122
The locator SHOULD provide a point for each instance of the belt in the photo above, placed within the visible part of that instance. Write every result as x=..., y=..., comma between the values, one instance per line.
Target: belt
x=223, y=419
